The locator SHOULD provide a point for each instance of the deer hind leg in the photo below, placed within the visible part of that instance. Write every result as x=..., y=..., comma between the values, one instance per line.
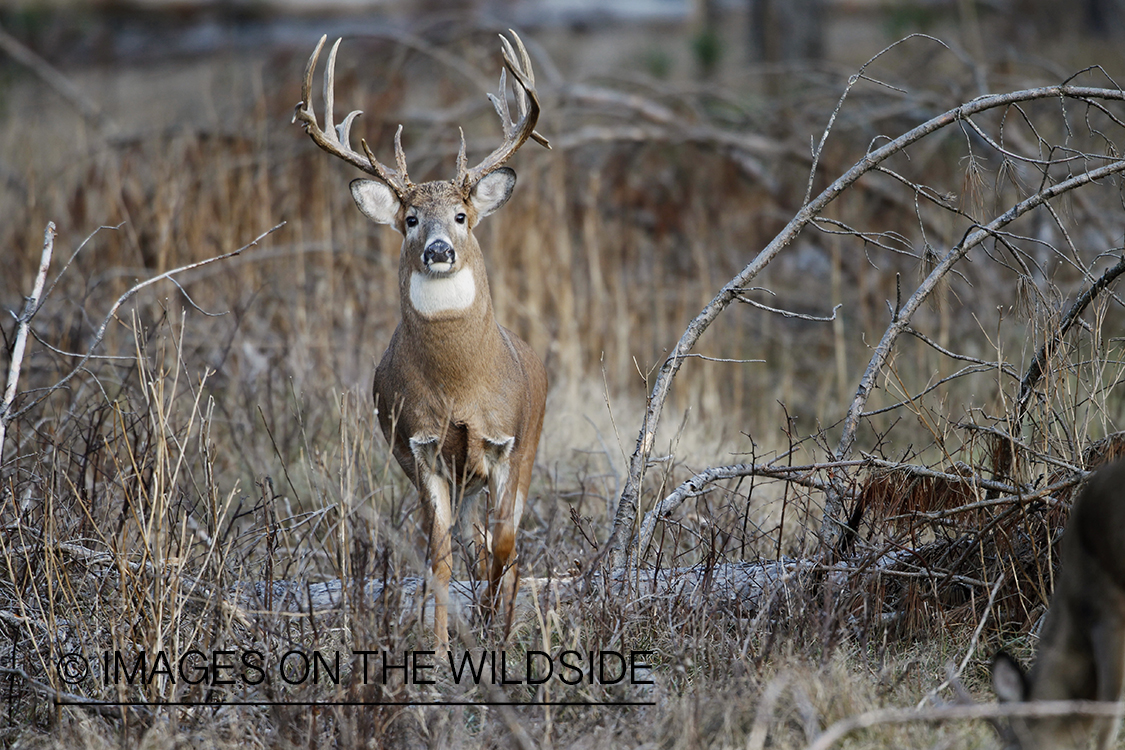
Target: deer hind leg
x=434, y=489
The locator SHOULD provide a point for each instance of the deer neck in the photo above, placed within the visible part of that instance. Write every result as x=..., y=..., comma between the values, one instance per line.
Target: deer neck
x=449, y=321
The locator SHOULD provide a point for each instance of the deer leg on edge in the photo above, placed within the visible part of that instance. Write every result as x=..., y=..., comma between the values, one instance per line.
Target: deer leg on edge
x=1109, y=654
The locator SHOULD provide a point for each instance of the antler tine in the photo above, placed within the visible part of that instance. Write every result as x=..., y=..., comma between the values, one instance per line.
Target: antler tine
x=329, y=90
x=522, y=70
x=344, y=129
x=522, y=73
x=528, y=73
x=462, y=160
x=516, y=133
x=337, y=139
x=304, y=109
x=400, y=156
x=500, y=104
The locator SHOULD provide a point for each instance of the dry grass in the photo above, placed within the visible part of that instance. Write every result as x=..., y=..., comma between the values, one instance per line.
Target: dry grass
x=230, y=438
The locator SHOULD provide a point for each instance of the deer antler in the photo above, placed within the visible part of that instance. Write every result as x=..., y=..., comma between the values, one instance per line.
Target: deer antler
x=515, y=132
x=336, y=140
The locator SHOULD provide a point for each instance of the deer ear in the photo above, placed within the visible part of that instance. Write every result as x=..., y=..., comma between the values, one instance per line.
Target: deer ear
x=493, y=191
x=1008, y=679
x=377, y=201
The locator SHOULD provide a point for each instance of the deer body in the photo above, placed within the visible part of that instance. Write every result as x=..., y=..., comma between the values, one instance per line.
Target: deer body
x=460, y=399
x=1082, y=646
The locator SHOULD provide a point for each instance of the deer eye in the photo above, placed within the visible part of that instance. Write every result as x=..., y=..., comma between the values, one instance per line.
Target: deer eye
x=411, y=221
x=459, y=218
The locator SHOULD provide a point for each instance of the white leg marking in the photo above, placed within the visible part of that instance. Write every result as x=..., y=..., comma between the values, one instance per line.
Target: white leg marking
x=425, y=451
x=517, y=512
x=438, y=490
x=497, y=464
x=430, y=474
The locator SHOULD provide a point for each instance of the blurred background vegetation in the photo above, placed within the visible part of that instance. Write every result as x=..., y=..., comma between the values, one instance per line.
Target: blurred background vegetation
x=683, y=135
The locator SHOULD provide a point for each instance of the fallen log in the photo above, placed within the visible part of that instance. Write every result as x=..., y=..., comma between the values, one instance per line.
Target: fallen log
x=746, y=585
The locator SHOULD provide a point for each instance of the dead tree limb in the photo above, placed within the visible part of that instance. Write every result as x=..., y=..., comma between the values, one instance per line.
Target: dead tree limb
x=747, y=583
x=622, y=540
x=833, y=510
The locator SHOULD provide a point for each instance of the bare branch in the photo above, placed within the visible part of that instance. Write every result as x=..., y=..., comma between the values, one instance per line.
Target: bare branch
x=847, y=90
x=790, y=314
x=723, y=359
x=985, y=367
x=797, y=474
x=1039, y=709
x=53, y=78
x=23, y=324
x=1035, y=370
x=906, y=312
x=121, y=301
x=1004, y=367
x=626, y=518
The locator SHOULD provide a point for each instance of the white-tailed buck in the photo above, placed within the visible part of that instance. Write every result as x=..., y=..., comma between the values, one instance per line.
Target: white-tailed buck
x=1082, y=646
x=460, y=399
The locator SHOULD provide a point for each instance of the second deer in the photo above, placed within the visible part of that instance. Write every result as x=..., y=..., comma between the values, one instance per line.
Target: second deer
x=460, y=398
x=1082, y=647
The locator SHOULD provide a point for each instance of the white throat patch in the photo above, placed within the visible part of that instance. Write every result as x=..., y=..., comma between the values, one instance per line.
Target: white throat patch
x=433, y=295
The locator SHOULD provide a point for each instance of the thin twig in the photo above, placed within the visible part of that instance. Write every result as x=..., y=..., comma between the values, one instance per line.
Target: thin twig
x=789, y=313
x=798, y=474
x=1038, y=709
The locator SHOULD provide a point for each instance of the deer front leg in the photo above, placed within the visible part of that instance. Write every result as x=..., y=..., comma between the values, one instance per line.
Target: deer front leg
x=503, y=578
x=504, y=519
x=434, y=490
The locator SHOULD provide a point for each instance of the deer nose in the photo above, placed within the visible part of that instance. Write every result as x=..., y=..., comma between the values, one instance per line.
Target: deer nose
x=438, y=251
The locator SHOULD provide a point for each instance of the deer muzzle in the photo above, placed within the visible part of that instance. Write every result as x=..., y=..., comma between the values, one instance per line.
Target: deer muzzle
x=439, y=256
